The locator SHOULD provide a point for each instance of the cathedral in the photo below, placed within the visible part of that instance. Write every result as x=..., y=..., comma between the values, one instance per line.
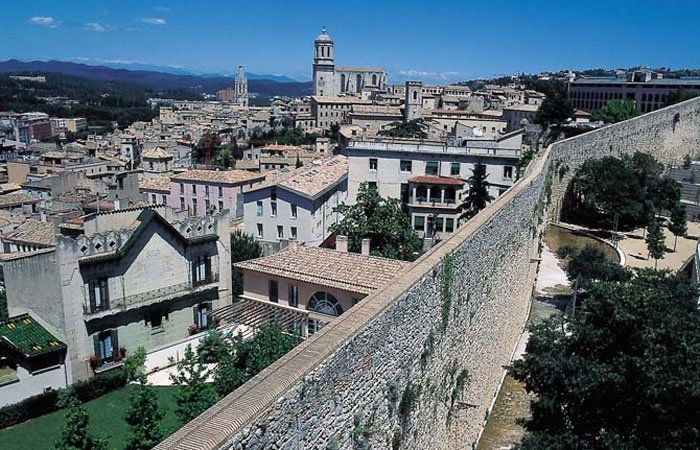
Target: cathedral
x=331, y=80
x=240, y=88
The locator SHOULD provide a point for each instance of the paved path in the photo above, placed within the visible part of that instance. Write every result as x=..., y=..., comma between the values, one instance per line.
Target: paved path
x=635, y=248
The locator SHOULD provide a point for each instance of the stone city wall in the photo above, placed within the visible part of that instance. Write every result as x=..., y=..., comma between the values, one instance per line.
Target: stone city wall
x=416, y=364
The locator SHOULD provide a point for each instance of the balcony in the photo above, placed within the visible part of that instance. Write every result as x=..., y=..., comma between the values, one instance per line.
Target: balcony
x=424, y=202
x=120, y=304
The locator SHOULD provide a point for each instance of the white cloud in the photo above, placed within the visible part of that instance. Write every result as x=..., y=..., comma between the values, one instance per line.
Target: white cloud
x=153, y=20
x=43, y=21
x=424, y=74
x=95, y=26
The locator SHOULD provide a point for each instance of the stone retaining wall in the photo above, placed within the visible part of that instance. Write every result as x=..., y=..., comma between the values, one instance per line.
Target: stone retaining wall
x=410, y=367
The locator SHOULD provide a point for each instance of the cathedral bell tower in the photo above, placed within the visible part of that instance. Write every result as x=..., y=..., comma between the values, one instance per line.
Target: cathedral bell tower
x=324, y=67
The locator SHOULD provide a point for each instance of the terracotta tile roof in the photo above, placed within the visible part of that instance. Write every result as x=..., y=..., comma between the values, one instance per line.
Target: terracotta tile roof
x=33, y=232
x=428, y=179
x=16, y=199
x=325, y=267
x=247, y=164
x=218, y=176
x=161, y=183
x=311, y=179
x=157, y=153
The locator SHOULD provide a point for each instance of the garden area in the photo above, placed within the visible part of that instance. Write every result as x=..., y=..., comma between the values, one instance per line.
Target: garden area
x=107, y=420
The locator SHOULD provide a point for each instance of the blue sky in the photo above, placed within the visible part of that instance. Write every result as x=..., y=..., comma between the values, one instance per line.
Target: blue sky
x=433, y=40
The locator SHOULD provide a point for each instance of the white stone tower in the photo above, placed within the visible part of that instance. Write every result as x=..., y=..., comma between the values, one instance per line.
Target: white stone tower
x=413, y=101
x=240, y=88
x=324, y=67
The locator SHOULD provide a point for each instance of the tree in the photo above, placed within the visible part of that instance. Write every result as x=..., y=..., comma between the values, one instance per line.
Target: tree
x=617, y=110
x=144, y=416
x=679, y=223
x=134, y=364
x=243, y=248
x=212, y=348
x=591, y=264
x=656, y=243
x=76, y=432
x=621, y=374
x=411, y=129
x=381, y=221
x=478, y=195
x=249, y=357
x=555, y=109
x=194, y=395
x=298, y=163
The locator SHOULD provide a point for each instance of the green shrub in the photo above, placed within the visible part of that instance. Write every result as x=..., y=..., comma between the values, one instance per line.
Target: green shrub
x=30, y=407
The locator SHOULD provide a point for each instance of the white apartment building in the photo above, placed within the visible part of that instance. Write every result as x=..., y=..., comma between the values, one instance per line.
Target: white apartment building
x=430, y=177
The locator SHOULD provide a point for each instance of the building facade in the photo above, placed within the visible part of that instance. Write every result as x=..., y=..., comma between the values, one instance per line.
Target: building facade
x=138, y=277
x=330, y=80
x=430, y=177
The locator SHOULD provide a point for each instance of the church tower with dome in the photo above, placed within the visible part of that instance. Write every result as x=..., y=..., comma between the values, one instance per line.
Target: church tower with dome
x=324, y=67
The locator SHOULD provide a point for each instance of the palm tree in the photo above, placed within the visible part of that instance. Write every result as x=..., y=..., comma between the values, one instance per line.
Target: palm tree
x=478, y=195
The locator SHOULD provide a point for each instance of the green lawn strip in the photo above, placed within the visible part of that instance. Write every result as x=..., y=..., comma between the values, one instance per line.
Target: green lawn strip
x=106, y=420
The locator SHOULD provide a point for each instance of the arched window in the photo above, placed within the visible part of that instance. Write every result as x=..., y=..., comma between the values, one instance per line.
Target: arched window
x=324, y=303
x=343, y=80
x=374, y=79
x=358, y=83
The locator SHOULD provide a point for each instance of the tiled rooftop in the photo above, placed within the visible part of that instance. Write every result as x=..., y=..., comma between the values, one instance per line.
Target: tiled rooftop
x=310, y=179
x=218, y=176
x=427, y=179
x=15, y=199
x=157, y=153
x=24, y=334
x=325, y=267
x=33, y=232
x=161, y=183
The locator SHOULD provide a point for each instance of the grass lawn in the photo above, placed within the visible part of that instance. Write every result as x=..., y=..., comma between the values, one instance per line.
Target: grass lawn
x=106, y=420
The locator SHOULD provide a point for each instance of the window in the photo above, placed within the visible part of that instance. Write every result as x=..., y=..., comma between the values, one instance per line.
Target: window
x=405, y=165
x=164, y=199
x=153, y=199
x=201, y=270
x=206, y=191
x=432, y=168
x=273, y=209
x=449, y=225
x=106, y=343
x=508, y=172
x=294, y=211
x=155, y=318
x=221, y=205
x=207, y=206
x=258, y=208
x=405, y=193
x=293, y=297
x=201, y=315
x=419, y=223
x=280, y=232
x=182, y=203
x=454, y=169
x=273, y=293
x=99, y=294
x=194, y=189
x=293, y=232
x=373, y=164
x=260, y=230
x=194, y=206
x=182, y=188
x=325, y=303
x=439, y=224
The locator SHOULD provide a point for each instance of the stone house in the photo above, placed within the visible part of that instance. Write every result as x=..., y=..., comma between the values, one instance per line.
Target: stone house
x=135, y=277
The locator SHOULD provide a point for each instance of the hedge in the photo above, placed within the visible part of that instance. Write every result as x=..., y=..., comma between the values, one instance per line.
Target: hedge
x=53, y=400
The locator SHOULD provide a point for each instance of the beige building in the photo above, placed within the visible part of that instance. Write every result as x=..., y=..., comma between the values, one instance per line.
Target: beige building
x=328, y=111
x=308, y=287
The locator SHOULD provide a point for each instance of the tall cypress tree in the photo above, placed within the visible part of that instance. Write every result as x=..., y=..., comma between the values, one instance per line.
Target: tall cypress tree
x=478, y=195
x=144, y=416
x=679, y=223
x=656, y=243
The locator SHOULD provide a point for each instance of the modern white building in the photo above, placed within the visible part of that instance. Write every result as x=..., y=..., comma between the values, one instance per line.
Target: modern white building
x=297, y=204
x=430, y=177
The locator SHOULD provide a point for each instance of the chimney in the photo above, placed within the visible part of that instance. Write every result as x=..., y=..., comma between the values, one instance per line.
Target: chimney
x=42, y=216
x=365, y=246
x=293, y=245
x=341, y=243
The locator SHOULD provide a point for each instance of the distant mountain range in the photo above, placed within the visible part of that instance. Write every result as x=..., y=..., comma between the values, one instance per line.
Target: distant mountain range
x=265, y=85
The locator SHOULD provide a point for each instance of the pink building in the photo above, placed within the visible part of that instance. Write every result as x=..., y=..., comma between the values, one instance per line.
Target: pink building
x=201, y=192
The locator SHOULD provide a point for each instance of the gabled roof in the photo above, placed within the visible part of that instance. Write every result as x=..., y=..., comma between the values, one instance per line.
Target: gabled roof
x=25, y=335
x=33, y=232
x=141, y=225
x=218, y=176
x=325, y=267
